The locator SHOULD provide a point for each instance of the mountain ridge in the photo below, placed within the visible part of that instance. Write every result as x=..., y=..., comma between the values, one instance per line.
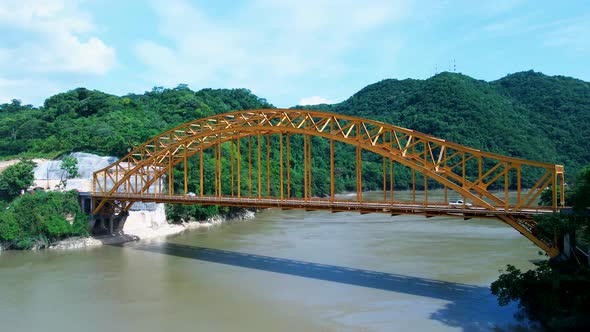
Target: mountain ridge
x=525, y=115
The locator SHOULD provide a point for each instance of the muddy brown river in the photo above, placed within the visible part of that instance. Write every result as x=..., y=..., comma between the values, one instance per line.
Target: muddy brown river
x=282, y=271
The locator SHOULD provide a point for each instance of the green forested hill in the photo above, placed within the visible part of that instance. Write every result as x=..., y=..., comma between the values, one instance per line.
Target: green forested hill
x=93, y=121
x=558, y=108
x=526, y=115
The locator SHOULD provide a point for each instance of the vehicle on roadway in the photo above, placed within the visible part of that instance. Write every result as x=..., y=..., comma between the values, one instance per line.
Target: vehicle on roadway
x=459, y=203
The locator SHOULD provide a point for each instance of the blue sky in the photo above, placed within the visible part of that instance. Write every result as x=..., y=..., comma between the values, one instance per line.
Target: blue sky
x=289, y=52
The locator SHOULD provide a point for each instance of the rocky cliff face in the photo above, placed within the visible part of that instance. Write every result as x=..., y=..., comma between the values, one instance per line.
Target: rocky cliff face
x=48, y=173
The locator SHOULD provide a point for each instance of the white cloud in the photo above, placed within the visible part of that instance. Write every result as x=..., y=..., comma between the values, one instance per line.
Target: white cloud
x=58, y=39
x=264, y=45
x=567, y=34
x=25, y=90
x=314, y=100
x=572, y=35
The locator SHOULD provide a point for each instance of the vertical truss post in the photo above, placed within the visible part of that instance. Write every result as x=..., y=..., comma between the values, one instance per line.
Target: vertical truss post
x=281, y=180
x=391, y=179
x=332, y=180
x=185, y=170
x=125, y=183
x=561, y=186
x=231, y=146
x=518, y=188
x=554, y=189
x=249, y=166
x=215, y=168
x=446, y=194
x=413, y=186
x=384, y=180
x=359, y=165
x=310, y=167
x=159, y=185
x=220, y=193
x=288, y=165
x=218, y=170
x=425, y=188
x=239, y=168
x=259, y=168
x=268, y=166
x=506, y=185
x=480, y=169
x=201, y=171
x=463, y=176
x=305, y=178
x=414, y=173
x=170, y=176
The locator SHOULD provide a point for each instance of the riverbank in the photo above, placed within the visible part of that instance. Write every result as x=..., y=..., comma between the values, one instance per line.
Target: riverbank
x=148, y=225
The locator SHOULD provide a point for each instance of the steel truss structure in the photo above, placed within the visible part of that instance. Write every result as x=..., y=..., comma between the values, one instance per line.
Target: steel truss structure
x=139, y=175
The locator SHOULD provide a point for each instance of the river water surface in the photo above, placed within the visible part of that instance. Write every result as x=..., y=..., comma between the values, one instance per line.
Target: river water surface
x=282, y=271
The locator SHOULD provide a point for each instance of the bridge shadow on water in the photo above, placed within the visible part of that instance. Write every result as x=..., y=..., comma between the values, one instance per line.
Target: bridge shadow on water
x=469, y=307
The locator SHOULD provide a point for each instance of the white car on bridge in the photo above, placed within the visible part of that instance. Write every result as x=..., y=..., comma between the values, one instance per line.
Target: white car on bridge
x=459, y=203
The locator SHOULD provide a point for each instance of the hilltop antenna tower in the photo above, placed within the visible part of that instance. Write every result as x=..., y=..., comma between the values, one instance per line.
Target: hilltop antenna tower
x=454, y=66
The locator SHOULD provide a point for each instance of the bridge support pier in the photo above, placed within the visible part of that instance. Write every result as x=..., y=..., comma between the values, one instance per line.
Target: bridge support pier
x=120, y=220
x=107, y=224
x=86, y=203
x=91, y=221
x=101, y=224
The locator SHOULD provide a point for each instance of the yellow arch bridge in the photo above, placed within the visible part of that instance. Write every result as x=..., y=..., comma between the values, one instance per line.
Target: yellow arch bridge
x=240, y=146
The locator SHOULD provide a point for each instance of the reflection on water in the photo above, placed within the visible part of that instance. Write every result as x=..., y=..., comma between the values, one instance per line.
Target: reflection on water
x=285, y=270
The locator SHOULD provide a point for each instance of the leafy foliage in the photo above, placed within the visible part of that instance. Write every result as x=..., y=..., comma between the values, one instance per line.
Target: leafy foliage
x=525, y=115
x=551, y=114
x=96, y=122
x=41, y=218
x=15, y=178
x=581, y=197
x=69, y=166
x=557, y=294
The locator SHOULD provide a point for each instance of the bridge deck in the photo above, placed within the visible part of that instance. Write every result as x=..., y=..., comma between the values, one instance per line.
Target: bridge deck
x=336, y=205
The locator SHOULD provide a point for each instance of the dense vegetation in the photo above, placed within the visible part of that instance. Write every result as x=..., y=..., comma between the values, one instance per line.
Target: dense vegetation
x=556, y=293
x=525, y=115
x=528, y=115
x=15, y=178
x=96, y=122
x=41, y=218
x=37, y=218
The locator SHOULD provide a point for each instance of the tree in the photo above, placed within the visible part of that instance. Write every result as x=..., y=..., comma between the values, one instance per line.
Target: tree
x=546, y=197
x=69, y=167
x=15, y=178
x=556, y=293
x=581, y=197
x=42, y=218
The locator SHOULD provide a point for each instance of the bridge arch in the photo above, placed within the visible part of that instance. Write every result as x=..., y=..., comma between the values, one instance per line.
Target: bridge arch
x=443, y=161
